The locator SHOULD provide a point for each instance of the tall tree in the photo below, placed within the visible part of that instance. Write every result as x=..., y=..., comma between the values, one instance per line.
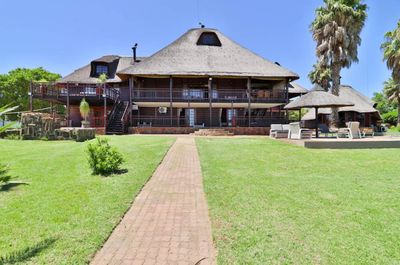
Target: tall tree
x=14, y=86
x=391, y=54
x=336, y=29
x=392, y=91
x=320, y=75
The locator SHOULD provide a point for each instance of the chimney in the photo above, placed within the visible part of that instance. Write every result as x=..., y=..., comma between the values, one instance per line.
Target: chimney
x=134, y=53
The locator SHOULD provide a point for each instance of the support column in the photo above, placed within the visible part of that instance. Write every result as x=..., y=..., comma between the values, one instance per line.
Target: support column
x=287, y=98
x=68, y=112
x=138, y=93
x=210, y=98
x=31, y=96
x=105, y=107
x=249, y=99
x=131, y=84
x=316, y=123
x=170, y=98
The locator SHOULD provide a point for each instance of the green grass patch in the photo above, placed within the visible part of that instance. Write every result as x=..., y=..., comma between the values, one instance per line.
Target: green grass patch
x=275, y=203
x=65, y=213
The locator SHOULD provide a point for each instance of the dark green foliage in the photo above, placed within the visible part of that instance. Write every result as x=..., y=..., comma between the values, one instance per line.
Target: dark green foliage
x=14, y=87
x=390, y=117
x=104, y=159
x=383, y=105
x=4, y=177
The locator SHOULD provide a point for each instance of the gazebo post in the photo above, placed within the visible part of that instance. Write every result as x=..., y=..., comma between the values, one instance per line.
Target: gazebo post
x=316, y=122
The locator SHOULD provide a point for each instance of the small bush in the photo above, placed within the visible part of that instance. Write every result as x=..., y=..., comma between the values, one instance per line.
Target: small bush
x=4, y=177
x=103, y=159
x=12, y=137
x=390, y=117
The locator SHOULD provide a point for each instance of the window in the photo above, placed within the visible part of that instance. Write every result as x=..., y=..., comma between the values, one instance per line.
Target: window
x=209, y=39
x=193, y=94
x=101, y=69
x=191, y=116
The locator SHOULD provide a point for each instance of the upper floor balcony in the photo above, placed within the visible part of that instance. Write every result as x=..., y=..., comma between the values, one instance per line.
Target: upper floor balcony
x=62, y=93
x=203, y=95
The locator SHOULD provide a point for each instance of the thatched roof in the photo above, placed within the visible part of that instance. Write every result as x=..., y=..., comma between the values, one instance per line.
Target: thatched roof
x=318, y=97
x=184, y=57
x=362, y=104
x=295, y=88
x=83, y=74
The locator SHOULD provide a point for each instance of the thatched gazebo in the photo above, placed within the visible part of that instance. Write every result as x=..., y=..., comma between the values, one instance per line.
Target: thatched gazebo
x=318, y=98
x=362, y=105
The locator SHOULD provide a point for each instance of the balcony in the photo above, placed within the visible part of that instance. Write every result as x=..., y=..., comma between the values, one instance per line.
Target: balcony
x=202, y=95
x=239, y=121
x=60, y=93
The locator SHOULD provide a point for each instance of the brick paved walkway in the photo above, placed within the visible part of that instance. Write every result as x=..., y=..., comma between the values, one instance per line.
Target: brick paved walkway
x=168, y=223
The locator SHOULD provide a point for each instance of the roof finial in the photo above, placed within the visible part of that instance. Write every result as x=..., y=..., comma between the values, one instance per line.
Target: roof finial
x=202, y=25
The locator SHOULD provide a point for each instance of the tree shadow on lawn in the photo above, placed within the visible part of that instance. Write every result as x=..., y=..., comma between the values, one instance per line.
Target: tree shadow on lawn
x=26, y=253
x=11, y=186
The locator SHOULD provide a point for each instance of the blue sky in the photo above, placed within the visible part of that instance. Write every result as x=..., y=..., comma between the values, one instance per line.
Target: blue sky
x=64, y=35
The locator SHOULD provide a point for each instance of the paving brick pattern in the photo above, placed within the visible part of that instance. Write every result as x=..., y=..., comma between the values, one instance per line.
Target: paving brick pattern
x=168, y=222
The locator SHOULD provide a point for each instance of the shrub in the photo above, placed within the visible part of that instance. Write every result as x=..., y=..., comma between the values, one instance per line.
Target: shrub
x=390, y=117
x=12, y=137
x=103, y=159
x=4, y=177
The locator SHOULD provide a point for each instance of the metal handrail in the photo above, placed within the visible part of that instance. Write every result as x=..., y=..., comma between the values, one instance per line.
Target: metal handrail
x=124, y=115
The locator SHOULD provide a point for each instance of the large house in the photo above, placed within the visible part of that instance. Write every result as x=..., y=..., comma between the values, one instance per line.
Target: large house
x=202, y=79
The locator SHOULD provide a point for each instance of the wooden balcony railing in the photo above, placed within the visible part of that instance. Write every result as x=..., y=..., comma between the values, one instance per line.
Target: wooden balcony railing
x=56, y=90
x=202, y=95
x=240, y=121
x=152, y=121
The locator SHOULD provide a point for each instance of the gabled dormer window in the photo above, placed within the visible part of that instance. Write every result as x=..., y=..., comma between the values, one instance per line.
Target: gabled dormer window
x=209, y=39
x=101, y=69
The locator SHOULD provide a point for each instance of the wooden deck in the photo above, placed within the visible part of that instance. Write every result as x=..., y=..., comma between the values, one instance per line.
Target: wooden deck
x=334, y=143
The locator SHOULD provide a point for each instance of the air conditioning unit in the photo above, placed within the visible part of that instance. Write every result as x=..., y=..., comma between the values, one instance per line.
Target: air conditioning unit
x=162, y=110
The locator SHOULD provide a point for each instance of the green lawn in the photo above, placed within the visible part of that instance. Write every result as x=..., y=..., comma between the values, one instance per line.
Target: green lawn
x=274, y=203
x=64, y=215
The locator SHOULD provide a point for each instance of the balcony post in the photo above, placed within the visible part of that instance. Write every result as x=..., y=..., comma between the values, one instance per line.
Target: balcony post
x=249, y=99
x=105, y=107
x=68, y=121
x=31, y=96
x=210, y=98
x=287, y=98
x=287, y=91
x=130, y=101
x=170, y=97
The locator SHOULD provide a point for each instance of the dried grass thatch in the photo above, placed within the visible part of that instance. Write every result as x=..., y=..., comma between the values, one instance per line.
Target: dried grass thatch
x=184, y=57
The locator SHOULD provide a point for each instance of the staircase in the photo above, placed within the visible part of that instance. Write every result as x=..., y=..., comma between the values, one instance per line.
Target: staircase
x=213, y=132
x=115, y=123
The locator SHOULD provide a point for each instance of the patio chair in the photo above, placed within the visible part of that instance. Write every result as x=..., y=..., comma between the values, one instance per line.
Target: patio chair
x=279, y=131
x=324, y=129
x=352, y=131
x=368, y=132
x=296, y=132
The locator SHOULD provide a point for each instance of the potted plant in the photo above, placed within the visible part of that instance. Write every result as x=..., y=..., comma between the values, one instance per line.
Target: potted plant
x=84, y=109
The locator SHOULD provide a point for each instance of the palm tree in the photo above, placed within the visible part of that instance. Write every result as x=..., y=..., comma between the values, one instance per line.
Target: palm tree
x=4, y=110
x=392, y=92
x=336, y=29
x=320, y=75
